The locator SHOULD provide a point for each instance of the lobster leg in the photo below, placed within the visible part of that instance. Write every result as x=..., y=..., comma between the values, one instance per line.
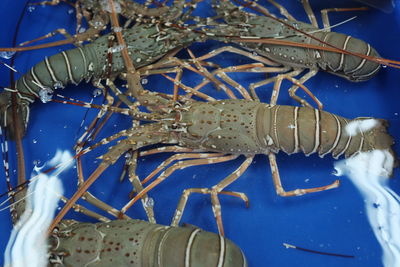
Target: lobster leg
x=252, y=67
x=211, y=77
x=177, y=149
x=87, y=196
x=137, y=185
x=85, y=211
x=190, y=90
x=216, y=207
x=214, y=191
x=281, y=9
x=180, y=157
x=141, y=138
x=131, y=167
x=297, y=192
x=292, y=90
x=310, y=13
x=120, y=94
x=179, y=165
x=325, y=18
x=238, y=51
x=253, y=86
x=49, y=35
x=49, y=2
x=90, y=198
x=297, y=83
x=178, y=78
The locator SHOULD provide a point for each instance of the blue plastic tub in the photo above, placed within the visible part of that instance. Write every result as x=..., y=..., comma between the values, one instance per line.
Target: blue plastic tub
x=331, y=221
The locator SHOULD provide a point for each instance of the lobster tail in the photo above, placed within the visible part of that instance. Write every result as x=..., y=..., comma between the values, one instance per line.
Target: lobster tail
x=368, y=135
x=55, y=72
x=353, y=68
x=379, y=138
x=294, y=129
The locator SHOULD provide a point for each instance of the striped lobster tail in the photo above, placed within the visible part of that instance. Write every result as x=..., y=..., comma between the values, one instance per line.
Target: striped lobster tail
x=300, y=129
x=139, y=243
x=70, y=66
x=353, y=68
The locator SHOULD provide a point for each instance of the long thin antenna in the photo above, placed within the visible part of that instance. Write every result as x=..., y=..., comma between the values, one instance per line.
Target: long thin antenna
x=317, y=252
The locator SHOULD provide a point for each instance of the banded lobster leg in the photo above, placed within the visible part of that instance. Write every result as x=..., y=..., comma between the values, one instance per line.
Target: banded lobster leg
x=221, y=72
x=135, y=138
x=214, y=191
x=184, y=164
x=90, y=198
x=277, y=80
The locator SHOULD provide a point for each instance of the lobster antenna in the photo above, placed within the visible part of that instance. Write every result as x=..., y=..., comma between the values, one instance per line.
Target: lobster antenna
x=286, y=245
x=319, y=30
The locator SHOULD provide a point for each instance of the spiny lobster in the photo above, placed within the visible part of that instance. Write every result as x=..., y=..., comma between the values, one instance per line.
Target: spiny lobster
x=258, y=26
x=283, y=215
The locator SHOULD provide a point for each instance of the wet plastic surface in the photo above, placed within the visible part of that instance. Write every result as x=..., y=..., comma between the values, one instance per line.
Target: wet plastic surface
x=332, y=221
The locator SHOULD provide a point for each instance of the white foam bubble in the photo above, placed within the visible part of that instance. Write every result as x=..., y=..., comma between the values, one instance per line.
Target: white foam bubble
x=27, y=245
x=356, y=126
x=369, y=172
